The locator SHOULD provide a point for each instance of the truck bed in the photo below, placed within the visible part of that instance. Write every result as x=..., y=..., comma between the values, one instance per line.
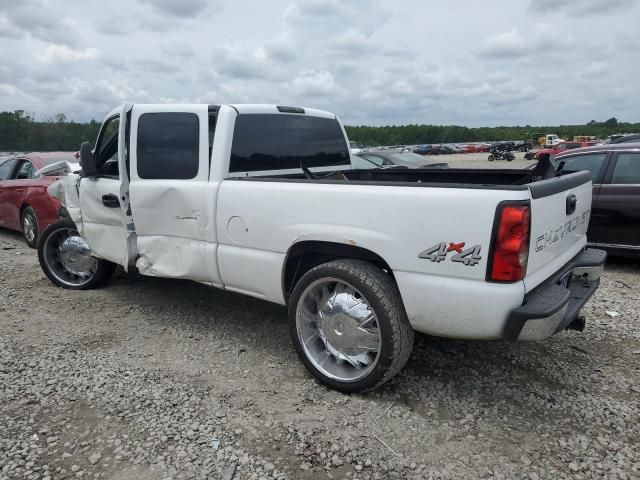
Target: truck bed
x=453, y=176
x=489, y=179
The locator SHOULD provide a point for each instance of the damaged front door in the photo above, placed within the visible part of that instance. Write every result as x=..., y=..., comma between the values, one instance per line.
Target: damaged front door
x=103, y=198
x=169, y=195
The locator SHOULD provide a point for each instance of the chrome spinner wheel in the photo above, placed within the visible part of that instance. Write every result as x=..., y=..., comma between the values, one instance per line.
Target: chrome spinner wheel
x=338, y=330
x=68, y=258
x=29, y=227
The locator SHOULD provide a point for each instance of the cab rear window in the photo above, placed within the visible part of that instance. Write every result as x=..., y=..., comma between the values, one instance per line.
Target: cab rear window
x=264, y=142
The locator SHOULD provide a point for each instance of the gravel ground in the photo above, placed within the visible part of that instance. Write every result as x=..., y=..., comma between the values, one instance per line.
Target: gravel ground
x=154, y=378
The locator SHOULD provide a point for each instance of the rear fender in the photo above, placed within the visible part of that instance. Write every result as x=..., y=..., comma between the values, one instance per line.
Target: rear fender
x=306, y=254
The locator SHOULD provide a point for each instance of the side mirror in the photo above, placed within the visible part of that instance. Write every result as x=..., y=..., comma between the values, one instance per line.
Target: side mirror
x=87, y=160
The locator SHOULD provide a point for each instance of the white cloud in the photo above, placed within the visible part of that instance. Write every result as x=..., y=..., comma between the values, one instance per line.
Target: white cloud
x=540, y=40
x=8, y=29
x=241, y=62
x=62, y=53
x=582, y=7
x=33, y=18
x=312, y=83
x=181, y=8
x=352, y=42
x=595, y=69
x=506, y=44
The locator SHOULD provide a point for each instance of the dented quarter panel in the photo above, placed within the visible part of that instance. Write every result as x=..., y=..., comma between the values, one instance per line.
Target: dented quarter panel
x=166, y=256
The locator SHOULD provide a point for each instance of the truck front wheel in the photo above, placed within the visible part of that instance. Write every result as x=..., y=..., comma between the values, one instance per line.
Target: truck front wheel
x=349, y=326
x=66, y=258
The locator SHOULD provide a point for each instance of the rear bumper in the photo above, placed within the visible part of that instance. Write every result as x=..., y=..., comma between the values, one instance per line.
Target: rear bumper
x=556, y=303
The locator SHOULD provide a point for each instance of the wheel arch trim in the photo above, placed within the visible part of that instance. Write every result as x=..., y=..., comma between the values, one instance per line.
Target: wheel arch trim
x=321, y=251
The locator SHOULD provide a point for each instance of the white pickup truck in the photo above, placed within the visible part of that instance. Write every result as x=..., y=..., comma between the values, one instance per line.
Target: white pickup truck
x=262, y=200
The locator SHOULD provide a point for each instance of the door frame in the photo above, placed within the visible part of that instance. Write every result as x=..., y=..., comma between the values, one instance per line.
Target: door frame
x=108, y=232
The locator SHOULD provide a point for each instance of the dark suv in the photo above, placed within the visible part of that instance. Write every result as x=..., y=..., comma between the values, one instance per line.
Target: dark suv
x=615, y=211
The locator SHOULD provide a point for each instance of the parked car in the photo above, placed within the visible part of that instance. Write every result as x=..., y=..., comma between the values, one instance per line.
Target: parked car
x=562, y=147
x=434, y=150
x=635, y=138
x=25, y=204
x=270, y=207
x=476, y=148
x=391, y=159
x=423, y=149
x=452, y=148
x=356, y=147
x=523, y=145
x=615, y=211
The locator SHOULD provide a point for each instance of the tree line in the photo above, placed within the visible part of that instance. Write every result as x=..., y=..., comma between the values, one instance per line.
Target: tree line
x=20, y=132
x=419, y=134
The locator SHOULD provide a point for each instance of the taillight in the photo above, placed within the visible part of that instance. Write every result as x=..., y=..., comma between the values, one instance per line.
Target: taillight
x=510, y=243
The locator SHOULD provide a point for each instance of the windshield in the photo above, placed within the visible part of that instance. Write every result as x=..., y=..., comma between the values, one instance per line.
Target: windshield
x=410, y=157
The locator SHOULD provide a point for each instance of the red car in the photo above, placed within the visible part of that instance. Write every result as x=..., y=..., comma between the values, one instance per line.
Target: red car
x=563, y=147
x=475, y=148
x=25, y=204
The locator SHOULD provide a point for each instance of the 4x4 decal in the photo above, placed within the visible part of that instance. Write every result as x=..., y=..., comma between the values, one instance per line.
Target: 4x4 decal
x=438, y=253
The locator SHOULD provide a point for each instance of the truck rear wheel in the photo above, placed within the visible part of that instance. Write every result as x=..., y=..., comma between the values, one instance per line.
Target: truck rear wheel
x=66, y=258
x=349, y=326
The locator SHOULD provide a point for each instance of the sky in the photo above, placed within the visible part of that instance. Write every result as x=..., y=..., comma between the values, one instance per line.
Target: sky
x=372, y=62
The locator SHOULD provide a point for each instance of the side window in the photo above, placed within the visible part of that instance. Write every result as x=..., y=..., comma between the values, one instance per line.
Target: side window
x=592, y=162
x=26, y=171
x=627, y=169
x=168, y=145
x=6, y=168
x=107, y=145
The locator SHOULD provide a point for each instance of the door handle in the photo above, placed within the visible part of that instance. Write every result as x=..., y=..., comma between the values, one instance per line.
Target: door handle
x=19, y=190
x=571, y=204
x=110, y=201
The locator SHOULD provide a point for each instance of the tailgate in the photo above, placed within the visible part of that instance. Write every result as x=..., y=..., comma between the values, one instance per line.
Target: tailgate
x=560, y=209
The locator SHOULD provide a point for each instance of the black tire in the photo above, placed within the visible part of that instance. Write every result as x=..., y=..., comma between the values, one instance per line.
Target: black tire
x=491, y=158
x=102, y=273
x=30, y=236
x=382, y=294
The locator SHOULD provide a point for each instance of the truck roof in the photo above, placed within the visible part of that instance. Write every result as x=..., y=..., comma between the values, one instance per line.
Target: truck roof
x=246, y=108
x=272, y=108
